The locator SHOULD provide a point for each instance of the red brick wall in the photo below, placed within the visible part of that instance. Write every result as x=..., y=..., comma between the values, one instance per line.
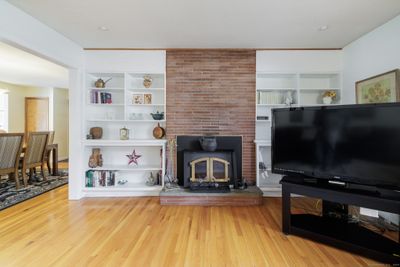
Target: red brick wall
x=213, y=92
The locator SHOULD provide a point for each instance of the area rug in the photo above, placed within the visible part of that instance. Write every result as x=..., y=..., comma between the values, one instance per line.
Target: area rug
x=10, y=196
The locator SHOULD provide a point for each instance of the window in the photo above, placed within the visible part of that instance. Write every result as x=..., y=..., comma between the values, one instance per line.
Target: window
x=4, y=110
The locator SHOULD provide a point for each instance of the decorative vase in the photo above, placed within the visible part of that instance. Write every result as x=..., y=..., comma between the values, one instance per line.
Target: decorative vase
x=147, y=81
x=327, y=100
x=96, y=132
x=171, y=181
x=151, y=180
x=288, y=98
x=96, y=159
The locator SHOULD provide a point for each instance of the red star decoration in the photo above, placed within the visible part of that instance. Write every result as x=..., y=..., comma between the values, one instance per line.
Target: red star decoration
x=133, y=158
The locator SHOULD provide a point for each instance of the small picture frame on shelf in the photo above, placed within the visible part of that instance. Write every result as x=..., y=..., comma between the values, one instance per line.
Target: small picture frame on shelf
x=137, y=99
x=124, y=133
x=148, y=98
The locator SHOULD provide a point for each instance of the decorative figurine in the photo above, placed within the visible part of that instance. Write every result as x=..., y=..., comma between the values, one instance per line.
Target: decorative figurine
x=124, y=133
x=151, y=180
x=288, y=98
x=96, y=159
x=100, y=160
x=133, y=158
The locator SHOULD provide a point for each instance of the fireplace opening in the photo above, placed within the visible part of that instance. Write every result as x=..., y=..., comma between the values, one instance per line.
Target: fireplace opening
x=209, y=171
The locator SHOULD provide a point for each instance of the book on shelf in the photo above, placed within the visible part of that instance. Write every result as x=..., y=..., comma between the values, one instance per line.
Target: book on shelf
x=100, y=178
x=98, y=97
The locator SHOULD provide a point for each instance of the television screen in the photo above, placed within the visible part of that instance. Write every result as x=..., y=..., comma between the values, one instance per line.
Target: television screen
x=352, y=143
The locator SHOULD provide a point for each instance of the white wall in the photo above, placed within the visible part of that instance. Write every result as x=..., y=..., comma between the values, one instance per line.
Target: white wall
x=60, y=122
x=374, y=53
x=299, y=61
x=125, y=61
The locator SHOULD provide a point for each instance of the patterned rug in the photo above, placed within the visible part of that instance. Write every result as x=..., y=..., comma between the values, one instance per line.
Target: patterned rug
x=10, y=196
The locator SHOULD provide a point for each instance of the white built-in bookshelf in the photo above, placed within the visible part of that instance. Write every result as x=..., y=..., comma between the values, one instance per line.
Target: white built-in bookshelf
x=275, y=90
x=124, y=103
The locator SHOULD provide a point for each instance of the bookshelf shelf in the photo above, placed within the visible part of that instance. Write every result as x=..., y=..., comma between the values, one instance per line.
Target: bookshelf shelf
x=126, y=168
x=106, y=104
x=145, y=105
x=107, y=89
x=145, y=89
x=137, y=142
x=275, y=90
x=126, y=187
x=111, y=117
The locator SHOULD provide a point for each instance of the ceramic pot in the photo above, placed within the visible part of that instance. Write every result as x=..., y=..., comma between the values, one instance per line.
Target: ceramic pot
x=208, y=143
x=157, y=116
x=96, y=132
x=327, y=100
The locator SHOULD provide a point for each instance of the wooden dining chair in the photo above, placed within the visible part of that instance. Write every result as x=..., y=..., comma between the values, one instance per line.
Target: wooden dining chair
x=46, y=159
x=10, y=153
x=34, y=154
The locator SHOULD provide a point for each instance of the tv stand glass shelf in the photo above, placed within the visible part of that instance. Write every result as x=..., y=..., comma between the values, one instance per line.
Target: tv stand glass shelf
x=331, y=214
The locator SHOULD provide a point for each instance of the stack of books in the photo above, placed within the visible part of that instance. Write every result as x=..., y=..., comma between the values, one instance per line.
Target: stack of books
x=98, y=97
x=100, y=178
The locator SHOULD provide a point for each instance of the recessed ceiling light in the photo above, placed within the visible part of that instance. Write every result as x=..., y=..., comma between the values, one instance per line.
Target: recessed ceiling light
x=103, y=28
x=323, y=28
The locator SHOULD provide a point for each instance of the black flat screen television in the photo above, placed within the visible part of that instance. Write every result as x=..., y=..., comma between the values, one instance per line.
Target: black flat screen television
x=357, y=144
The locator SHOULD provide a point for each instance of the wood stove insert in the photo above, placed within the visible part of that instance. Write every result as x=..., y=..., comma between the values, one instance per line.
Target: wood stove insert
x=209, y=171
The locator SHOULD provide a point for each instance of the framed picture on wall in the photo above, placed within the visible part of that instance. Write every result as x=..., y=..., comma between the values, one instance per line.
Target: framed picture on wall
x=382, y=88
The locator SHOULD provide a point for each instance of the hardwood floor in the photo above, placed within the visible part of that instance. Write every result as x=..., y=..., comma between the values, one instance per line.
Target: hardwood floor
x=49, y=230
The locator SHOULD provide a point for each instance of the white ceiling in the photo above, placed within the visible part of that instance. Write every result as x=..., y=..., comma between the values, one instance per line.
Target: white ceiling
x=212, y=23
x=20, y=67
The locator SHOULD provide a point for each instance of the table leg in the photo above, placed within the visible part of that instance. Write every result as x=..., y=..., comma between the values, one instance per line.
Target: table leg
x=55, y=160
x=286, y=209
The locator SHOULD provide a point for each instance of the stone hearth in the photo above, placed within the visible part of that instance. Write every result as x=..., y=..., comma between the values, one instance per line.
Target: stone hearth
x=250, y=196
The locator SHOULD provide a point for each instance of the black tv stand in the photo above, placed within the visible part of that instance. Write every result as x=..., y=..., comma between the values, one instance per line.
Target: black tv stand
x=337, y=232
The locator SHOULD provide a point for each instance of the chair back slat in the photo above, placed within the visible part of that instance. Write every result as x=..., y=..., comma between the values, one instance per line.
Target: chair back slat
x=37, y=142
x=10, y=149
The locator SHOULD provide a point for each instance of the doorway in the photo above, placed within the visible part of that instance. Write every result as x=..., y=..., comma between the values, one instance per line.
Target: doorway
x=36, y=114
